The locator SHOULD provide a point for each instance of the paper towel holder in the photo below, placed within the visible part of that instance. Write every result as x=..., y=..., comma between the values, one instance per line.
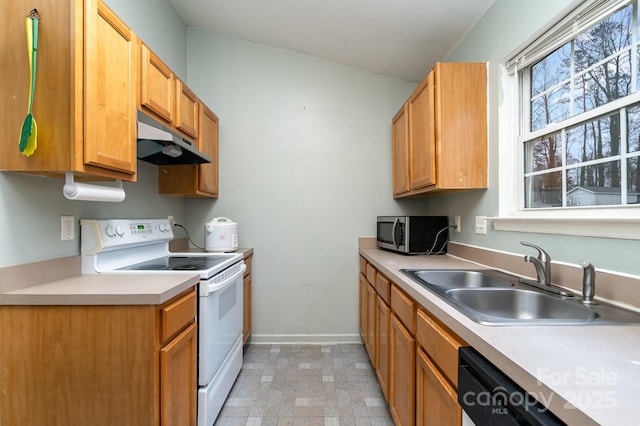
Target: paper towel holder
x=89, y=192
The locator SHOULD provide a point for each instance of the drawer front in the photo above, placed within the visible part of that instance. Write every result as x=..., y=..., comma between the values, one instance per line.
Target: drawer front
x=404, y=308
x=383, y=287
x=371, y=274
x=363, y=265
x=440, y=344
x=177, y=315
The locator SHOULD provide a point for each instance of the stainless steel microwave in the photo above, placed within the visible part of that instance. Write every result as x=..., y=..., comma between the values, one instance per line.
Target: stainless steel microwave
x=413, y=234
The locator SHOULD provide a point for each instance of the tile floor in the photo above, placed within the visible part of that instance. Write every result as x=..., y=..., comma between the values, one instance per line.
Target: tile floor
x=309, y=385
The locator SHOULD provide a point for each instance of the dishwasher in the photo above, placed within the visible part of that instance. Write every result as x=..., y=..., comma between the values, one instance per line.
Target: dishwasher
x=489, y=397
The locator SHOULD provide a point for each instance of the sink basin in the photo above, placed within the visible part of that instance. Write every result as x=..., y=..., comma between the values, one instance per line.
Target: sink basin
x=457, y=278
x=492, y=297
x=519, y=305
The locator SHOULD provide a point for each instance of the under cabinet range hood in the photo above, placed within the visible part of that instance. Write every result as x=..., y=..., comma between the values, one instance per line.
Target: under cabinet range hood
x=157, y=144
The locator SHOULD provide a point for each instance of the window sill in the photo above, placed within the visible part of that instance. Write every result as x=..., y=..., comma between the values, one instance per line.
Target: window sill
x=622, y=228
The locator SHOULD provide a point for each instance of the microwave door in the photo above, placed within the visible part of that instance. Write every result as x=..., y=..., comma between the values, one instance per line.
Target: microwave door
x=391, y=232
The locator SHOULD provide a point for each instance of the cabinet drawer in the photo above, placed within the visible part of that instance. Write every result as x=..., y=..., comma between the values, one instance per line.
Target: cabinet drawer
x=177, y=315
x=383, y=287
x=404, y=308
x=247, y=262
x=371, y=274
x=363, y=265
x=440, y=344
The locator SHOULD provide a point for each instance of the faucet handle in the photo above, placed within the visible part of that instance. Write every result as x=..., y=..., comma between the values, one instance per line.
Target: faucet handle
x=542, y=255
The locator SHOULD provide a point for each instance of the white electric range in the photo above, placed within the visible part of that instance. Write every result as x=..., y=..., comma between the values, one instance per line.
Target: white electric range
x=129, y=246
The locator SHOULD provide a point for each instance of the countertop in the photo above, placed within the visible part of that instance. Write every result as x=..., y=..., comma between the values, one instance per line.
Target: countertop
x=584, y=374
x=104, y=289
x=59, y=282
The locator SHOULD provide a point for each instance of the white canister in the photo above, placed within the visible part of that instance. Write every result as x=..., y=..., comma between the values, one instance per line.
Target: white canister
x=221, y=234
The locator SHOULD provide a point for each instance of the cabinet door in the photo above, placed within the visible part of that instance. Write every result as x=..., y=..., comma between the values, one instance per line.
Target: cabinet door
x=400, y=150
x=208, y=143
x=363, y=307
x=246, y=306
x=156, y=86
x=422, y=152
x=110, y=87
x=461, y=120
x=178, y=388
x=383, y=317
x=437, y=401
x=370, y=341
x=186, y=110
x=402, y=374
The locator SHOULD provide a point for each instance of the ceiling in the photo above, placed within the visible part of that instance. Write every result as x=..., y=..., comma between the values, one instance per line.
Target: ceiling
x=397, y=38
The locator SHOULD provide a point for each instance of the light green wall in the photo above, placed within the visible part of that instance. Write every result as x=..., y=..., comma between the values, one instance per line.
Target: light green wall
x=30, y=207
x=505, y=26
x=304, y=170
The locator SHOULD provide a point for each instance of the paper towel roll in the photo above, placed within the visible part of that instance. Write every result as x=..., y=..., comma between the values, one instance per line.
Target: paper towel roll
x=89, y=192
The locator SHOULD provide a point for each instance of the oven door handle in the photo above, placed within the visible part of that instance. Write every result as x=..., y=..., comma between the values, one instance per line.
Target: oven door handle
x=206, y=288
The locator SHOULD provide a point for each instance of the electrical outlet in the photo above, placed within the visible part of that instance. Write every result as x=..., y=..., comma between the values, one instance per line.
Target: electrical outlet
x=456, y=222
x=481, y=225
x=67, y=228
x=172, y=222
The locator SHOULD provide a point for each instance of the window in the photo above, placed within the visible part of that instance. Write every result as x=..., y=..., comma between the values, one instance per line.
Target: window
x=569, y=127
x=579, y=121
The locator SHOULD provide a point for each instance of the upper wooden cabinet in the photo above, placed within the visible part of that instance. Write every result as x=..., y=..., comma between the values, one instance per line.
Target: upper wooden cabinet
x=195, y=180
x=85, y=91
x=157, y=86
x=165, y=97
x=400, y=152
x=186, y=110
x=439, y=136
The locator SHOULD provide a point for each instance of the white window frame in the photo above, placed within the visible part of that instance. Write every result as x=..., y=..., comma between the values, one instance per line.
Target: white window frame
x=609, y=221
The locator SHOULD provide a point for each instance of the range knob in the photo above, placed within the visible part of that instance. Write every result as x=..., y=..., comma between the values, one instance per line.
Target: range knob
x=163, y=227
x=109, y=231
x=119, y=230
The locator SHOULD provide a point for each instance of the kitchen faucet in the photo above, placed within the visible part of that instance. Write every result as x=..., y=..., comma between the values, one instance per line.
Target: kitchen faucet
x=542, y=263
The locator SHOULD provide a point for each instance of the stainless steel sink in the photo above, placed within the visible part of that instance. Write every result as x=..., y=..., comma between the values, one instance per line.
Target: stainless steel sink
x=492, y=297
x=457, y=278
x=518, y=306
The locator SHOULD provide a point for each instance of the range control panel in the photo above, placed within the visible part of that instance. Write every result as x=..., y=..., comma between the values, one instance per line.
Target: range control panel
x=99, y=235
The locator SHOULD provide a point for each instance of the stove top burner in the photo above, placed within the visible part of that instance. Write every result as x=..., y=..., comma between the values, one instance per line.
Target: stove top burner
x=177, y=263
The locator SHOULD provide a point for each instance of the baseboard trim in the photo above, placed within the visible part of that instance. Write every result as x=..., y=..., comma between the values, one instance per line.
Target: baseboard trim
x=312, y=339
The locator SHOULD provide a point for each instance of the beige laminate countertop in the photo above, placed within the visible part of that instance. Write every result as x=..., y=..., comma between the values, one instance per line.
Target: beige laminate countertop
x=104, y=289
x=594, y=368
x=60, y=282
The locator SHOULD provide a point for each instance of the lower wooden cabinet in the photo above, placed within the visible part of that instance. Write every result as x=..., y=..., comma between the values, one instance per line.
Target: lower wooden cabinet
x=362, y=319
x=415, y=356
x=402, y=373
x=99, y=365
x=436, y=400
x=178, y=379
x=383, y=321
x=246, y=301
x=370, y=340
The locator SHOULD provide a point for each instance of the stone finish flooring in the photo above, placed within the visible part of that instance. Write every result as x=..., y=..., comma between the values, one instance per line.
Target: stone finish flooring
x=314, y=385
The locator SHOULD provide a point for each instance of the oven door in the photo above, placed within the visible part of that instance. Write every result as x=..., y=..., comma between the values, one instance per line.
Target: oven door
x=219, y=320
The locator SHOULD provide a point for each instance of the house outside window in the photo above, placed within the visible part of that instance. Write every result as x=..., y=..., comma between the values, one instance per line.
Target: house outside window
x=579, y=120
